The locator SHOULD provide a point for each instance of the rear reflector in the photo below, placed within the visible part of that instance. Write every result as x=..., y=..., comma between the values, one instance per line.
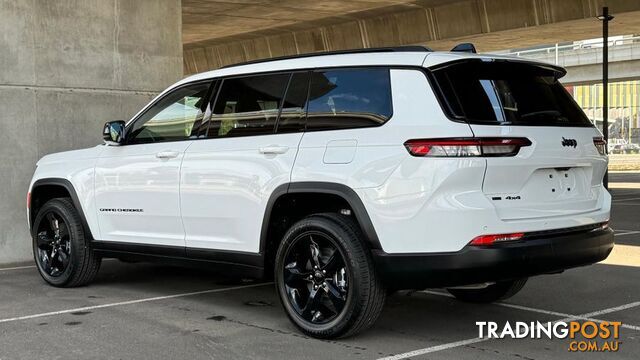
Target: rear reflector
x=466, y=147
x=491, y=239
x=600, y=144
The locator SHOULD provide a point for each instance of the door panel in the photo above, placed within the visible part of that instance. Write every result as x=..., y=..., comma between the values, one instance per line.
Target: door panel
x=227, y=179
x=137, y=184
x=137, y=193
x=225, y=186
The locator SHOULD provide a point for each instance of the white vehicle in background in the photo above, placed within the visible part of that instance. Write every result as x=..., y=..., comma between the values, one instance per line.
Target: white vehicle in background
x=343, y=176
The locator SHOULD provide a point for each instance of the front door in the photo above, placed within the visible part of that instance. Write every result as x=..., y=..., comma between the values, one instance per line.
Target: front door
x=137, y=183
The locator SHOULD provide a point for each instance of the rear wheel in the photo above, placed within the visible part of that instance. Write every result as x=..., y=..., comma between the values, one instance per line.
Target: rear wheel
x=62, y=255
x=499, y=291
x=326, y=279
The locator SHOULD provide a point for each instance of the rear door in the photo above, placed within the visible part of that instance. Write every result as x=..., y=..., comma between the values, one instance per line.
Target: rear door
x=561, y=172
x=227, y=178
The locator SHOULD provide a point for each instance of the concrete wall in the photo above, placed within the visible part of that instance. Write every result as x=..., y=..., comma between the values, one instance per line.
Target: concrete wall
x=66, y=67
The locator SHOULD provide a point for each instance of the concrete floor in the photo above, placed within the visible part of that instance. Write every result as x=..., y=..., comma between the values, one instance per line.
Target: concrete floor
x=136, y=311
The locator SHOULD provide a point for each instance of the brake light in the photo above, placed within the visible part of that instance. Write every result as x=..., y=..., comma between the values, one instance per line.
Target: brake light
x=600, y=144
x=466, y=147
x=491, y=239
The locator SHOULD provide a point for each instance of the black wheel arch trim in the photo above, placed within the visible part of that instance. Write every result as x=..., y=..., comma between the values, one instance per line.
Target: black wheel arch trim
x=321, y=187
x=67, y=185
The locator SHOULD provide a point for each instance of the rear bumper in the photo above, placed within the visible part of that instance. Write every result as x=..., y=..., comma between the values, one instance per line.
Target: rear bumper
x=543, y=252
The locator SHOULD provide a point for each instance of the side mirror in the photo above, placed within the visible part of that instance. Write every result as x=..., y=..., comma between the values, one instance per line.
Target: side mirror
x=113, y=132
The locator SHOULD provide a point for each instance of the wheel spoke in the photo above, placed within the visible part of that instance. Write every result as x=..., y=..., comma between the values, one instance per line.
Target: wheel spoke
x=43, y=241
x=313, y=302
x=315, y=252
x=336, y=296
x=53, y=222
x=294, y=276
x=46, y=262
x=63, y=257
x=332, y=263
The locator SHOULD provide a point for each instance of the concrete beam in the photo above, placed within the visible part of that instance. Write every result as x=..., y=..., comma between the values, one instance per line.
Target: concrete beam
x=592, y=73
x=67, y=67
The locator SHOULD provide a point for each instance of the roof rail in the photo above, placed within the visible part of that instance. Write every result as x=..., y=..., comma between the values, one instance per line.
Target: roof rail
x=336, y=52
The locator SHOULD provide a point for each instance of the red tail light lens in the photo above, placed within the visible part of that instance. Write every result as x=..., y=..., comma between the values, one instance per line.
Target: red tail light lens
x=491, y=239
x=466, y=147
x=600, y=144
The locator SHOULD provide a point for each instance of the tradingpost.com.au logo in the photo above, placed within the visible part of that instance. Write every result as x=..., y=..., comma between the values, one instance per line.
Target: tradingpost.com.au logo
x=587, y=336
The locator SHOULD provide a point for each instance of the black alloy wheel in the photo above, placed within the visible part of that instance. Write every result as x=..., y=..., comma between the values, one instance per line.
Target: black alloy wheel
x=326, y=277
x=315, y=277
x=53, y=242
x=63, y=253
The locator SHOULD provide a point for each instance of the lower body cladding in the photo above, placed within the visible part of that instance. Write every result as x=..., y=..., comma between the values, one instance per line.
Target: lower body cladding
x=535, y=254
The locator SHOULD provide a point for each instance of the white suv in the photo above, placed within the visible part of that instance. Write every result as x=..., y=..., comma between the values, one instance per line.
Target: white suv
x=345, y=175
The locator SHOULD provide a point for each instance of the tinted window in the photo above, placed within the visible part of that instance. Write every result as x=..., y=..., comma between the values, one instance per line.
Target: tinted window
x=349, y=98
x=175, y=117
x=292, y=117
x=501, y=93
x=248, y=105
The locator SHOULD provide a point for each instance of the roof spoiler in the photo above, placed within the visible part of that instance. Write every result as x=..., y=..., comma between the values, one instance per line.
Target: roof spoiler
x=464, y=47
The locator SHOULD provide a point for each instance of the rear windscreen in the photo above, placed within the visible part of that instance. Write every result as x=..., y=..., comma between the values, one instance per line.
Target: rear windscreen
x=507, y=93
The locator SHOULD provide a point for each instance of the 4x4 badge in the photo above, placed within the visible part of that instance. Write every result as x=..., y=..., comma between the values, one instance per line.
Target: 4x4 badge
x=569, y=142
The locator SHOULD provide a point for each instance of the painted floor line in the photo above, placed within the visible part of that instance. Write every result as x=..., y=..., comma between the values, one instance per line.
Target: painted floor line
x=586, y=317
x=33, y=266
x=613, y=309
x=434, y=349
x=17, y=268
x=628, y=233
x=130, y=302
x=625, y=199
x=466, y=342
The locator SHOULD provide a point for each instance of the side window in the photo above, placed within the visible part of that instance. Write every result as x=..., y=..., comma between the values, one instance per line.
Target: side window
x=175, y=117
x=294, y=112
x=349, y=98
x=248, y=105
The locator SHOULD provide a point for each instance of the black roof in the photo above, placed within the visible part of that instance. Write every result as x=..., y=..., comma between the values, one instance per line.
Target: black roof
x=338, y=52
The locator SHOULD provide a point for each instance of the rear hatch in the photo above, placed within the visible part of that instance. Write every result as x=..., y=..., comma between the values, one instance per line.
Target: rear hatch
x=561, y=172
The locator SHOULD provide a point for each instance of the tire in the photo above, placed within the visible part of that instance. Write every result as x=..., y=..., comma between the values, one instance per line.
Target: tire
x=350, y=295
x=65, y=259
x=494, y=292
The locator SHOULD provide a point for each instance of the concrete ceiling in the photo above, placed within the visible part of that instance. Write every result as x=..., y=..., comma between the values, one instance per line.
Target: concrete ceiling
x=207, y=22
x=216, y=33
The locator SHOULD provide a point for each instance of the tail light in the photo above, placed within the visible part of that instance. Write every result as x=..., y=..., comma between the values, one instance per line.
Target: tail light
x=600, y=144
x=466, y=147
x=496, y=238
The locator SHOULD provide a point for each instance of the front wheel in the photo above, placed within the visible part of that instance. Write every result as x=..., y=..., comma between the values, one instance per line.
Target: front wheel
x=326, y=279
x=63, y=256
x=499, y=291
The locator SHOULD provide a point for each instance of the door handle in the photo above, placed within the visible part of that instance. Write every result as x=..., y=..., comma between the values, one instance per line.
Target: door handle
x=274, y=149
x=167, y=154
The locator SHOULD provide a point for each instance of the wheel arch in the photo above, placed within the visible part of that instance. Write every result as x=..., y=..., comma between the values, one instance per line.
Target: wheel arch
x=335, y=190
x=46, y=189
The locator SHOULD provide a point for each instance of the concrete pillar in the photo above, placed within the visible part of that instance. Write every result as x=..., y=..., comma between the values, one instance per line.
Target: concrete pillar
x=66, y=67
